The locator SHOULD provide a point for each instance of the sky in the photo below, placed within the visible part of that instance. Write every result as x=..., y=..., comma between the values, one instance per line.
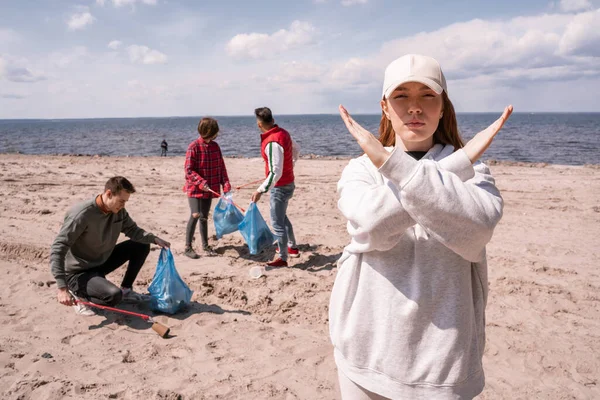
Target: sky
x=156, y=58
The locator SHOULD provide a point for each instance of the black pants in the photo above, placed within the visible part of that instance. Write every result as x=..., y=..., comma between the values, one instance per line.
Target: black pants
x=92, y=283
x=201, y=207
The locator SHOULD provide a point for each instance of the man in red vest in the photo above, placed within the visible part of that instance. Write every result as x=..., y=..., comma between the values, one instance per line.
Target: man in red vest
x=280, y=153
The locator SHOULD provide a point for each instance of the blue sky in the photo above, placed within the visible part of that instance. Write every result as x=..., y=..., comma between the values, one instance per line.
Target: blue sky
x=129, y=58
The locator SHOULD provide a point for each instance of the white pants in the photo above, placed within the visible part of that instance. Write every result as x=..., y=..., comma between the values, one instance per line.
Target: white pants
x=352, y=391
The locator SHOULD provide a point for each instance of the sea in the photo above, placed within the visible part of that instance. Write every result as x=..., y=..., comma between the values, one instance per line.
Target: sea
x=556, y=138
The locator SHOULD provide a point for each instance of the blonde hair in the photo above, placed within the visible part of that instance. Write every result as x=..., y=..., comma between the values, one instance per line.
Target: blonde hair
x=446, y=133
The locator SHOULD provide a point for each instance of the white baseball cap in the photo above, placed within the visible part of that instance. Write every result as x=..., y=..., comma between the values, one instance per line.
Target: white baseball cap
x=414, y=68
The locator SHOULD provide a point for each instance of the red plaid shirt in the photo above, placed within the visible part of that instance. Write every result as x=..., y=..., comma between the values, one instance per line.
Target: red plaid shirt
x=204, y=165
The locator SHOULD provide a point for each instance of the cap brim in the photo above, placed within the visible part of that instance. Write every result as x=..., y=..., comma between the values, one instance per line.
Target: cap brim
x=425, y=81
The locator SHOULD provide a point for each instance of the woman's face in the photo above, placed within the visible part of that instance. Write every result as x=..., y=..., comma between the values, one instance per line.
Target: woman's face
x=414, y=111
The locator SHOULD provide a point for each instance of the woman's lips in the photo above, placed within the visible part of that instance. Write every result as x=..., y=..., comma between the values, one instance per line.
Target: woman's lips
x=415, y=124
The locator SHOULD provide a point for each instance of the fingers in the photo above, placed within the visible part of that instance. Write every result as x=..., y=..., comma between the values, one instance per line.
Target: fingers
x=347, y=121
x=357, y=131
x=163, y=243
x=503, y=118
x=67, y=302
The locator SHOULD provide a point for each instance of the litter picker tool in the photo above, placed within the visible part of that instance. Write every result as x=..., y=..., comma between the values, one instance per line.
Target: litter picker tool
x=157, y=327
x=248, y=184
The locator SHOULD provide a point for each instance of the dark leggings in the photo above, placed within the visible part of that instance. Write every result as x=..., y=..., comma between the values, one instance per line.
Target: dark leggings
x=92, y=283
x=202, y=208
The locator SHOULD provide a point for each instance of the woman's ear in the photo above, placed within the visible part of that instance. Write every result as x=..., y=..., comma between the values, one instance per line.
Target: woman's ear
x=384, y=108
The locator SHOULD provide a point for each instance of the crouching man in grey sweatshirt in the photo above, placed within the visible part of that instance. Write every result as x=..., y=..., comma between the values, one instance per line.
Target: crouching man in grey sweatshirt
x=86, y=249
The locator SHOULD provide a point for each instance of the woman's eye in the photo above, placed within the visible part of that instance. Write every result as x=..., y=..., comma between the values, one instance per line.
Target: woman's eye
x=428, y=95
x=400, y=96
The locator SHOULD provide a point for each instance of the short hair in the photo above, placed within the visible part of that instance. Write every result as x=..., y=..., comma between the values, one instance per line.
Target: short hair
x=208, y=128
x=118, y=183
x=264, y=115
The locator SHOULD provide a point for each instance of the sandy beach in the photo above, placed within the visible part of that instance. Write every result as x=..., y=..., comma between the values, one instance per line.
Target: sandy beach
x=245, y=338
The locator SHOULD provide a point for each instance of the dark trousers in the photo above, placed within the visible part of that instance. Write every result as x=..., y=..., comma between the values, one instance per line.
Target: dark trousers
x=92, y=283
x=202, y=208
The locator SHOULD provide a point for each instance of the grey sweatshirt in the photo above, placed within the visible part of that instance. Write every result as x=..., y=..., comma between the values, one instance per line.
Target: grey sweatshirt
x=88, y=237
x=407, y=310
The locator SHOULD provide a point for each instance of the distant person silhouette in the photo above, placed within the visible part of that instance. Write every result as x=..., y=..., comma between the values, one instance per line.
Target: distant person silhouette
x=164, y=146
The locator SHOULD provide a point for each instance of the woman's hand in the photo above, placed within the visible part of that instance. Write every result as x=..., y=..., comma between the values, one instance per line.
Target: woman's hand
x=369, y=143
x=480, y=142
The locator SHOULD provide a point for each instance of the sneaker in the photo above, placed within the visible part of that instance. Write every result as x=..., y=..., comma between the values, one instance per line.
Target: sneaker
x=82, y=309
x=209, y=252
x=292, y=252
x=277, y=263
x=189, y=252
x=130, y=296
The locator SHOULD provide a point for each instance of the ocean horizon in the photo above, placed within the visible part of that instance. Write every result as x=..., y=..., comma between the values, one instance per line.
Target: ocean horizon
x=558, y=138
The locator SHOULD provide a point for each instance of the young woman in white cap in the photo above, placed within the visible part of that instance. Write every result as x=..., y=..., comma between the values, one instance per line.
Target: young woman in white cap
x=407, y=310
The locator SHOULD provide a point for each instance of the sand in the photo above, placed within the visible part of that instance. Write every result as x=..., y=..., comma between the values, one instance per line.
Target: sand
x=268, y=338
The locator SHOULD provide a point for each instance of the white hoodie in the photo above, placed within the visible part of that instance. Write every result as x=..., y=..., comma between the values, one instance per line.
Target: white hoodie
x=407, y=310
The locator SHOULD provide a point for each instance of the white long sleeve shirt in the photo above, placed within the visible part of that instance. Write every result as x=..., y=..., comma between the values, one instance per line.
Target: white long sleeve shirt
x=274, y=152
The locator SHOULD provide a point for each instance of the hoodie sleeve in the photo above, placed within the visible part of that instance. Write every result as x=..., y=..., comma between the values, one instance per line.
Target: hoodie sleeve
x=460, y=214
x=274, y=153
x=72, y=228
x=376, y=217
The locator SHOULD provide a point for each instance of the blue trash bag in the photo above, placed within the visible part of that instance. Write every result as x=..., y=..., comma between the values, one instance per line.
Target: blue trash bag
x=168, y=291
x=226, y=217
x=255, y=230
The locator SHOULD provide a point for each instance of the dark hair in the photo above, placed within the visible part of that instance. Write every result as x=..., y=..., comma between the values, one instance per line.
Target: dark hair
x=264, y=115
x=208, y=128
x=118, y=183
x=446, y=133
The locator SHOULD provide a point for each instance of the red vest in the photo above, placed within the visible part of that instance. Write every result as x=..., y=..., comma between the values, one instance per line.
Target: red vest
x=281, y=137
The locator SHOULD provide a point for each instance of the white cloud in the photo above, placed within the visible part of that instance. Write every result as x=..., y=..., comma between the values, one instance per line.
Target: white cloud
x=80, y=20
x=145, y=55
x=293, y=73
x=23, y=75
x=121, y=3
x=575, y=5
x=582, y=36
x=262, y=45
x=14, y=70
x=478, y=53
x=115, y=44
x=485, y=47
x=353, y=2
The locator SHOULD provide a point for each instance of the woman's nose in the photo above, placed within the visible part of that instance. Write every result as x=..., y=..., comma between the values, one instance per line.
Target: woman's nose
x=414, y=107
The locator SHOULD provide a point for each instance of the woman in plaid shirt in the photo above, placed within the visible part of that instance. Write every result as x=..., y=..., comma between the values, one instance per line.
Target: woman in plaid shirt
x=204, y=170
